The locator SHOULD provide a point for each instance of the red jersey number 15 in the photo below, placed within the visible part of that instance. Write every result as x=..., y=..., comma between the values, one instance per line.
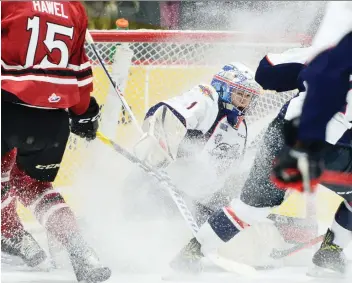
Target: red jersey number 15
x=50, y=42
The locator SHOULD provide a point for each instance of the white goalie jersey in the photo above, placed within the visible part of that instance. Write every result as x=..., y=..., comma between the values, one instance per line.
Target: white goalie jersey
x=201, y=141
x=208, y=129
x=203, y=131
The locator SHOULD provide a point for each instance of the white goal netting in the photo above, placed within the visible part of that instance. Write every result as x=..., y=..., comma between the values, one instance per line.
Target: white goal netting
x=166, y=63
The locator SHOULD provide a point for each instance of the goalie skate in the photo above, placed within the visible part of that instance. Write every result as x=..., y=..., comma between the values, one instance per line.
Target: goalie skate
x=189, y=258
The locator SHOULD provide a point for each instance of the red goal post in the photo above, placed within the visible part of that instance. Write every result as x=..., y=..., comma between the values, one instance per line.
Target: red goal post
x=166, y=63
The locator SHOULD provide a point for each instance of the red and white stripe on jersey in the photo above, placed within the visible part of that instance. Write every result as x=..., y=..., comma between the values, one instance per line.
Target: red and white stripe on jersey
x=58, y=87
x=73, y=75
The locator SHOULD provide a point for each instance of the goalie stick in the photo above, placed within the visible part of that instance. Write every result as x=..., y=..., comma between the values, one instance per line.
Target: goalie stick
x=228, y=265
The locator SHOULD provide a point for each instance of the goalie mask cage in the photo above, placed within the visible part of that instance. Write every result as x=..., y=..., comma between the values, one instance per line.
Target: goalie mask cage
x=167, y=63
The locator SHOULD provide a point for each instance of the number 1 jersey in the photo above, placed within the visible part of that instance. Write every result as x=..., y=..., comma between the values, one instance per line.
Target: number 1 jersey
x=43, y=61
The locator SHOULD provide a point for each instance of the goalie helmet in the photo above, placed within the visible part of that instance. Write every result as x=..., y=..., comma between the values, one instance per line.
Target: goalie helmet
x=236, y=87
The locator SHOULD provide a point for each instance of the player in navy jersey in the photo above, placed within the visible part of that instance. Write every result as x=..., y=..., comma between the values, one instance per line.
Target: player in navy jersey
x=328, y=79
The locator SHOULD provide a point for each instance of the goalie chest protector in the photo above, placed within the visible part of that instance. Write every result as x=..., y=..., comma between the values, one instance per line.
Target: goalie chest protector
x=227, y=142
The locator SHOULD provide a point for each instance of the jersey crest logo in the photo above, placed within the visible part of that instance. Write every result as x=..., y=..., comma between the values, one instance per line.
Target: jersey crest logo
x=225, y=151
x=54, y=98
x=206, y=91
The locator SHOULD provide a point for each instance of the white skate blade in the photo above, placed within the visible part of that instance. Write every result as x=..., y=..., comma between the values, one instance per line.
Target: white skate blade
x=319, y=272
x=46, y=266
x=232, y=266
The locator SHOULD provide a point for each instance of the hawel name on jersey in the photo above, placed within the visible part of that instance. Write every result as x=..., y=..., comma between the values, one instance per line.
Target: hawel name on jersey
x=52, y=8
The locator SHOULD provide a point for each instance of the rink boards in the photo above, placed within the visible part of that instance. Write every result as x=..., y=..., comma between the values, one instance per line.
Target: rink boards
x=146, y=86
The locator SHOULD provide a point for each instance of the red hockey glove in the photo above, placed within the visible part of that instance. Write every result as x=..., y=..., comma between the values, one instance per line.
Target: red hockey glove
x=287, y=173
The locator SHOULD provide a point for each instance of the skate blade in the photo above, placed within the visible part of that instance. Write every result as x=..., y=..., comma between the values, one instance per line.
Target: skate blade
x=320, y=272
x=37, y=260
x=97, y=275
x=45, y=266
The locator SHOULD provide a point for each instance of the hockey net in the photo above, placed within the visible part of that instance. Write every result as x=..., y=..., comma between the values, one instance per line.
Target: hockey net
x=166, y=63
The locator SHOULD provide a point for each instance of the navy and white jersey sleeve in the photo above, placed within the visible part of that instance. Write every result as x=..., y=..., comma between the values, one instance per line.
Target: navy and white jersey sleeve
x=279, y=71
x=328, y=80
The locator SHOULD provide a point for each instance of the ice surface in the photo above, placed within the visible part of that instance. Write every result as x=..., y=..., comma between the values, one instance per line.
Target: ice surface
x=136, y=232
x=289, y=275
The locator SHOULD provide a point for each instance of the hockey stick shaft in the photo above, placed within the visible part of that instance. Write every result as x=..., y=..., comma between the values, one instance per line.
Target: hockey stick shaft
x=118, y=92
x=165, y=180
x=278, y=254
x=226, y=264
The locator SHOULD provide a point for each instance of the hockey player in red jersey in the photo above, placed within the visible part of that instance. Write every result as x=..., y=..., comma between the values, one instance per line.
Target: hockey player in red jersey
x=45, y=93
x=15, y=240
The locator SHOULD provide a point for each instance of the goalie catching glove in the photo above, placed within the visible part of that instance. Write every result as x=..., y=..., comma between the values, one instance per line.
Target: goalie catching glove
x=159, y=144
x=287, y=173
x=86, y=125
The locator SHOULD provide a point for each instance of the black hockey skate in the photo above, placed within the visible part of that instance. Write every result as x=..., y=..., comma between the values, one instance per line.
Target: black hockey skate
x=87, y=266
x=24, y=246
x=330, y=259
x=189, y=258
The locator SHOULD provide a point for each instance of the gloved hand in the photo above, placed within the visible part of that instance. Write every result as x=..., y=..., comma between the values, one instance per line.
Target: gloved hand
x=86, y=125
x=288, y=170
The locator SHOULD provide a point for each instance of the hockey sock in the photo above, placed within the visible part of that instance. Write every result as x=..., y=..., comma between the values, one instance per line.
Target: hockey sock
x=342, y=225
x=10, y=222
x=49, y=208
x=11, y=225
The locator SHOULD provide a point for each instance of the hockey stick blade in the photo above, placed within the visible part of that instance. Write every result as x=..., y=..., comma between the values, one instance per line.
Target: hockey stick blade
x=228, y=265
x=278, y=254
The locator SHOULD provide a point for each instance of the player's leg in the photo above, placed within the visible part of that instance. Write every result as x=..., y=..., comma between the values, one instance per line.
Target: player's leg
x=258, y=194
x=257, y=199
x=331, y=255
x=15, y=240
x=44, y=136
